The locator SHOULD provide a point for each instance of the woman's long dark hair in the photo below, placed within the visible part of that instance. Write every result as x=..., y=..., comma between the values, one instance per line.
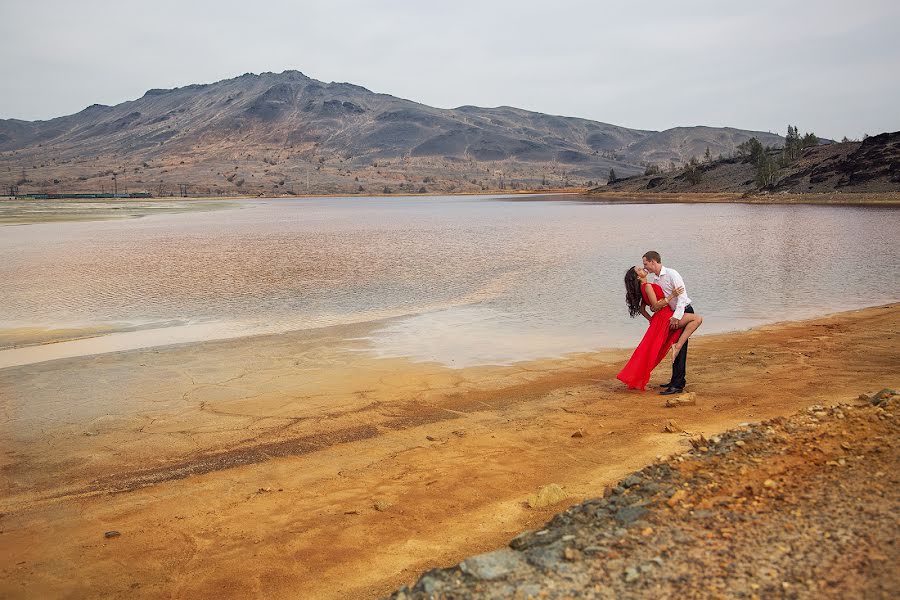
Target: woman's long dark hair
x=633, y=297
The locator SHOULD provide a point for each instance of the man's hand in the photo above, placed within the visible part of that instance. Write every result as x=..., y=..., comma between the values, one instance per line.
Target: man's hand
x=678, y=291
x=673, y=323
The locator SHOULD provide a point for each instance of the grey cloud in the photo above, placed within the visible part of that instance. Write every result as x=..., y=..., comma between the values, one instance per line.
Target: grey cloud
x=827, y=66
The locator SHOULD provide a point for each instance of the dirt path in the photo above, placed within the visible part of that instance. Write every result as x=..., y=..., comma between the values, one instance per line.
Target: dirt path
x=348, y=479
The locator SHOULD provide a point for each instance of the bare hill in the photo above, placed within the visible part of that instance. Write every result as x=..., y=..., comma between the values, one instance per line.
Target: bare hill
x=276, y=133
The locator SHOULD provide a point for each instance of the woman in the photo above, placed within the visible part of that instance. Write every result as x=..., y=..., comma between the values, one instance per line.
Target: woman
x=640, y=295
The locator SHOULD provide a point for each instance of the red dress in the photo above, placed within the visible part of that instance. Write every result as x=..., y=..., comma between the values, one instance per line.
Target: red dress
x=656, y=343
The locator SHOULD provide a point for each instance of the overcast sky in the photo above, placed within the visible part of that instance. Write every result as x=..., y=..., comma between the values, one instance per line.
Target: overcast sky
x=828, y=66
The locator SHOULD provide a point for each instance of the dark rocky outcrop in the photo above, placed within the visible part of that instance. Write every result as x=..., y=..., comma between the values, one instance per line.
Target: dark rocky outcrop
x=872, y=165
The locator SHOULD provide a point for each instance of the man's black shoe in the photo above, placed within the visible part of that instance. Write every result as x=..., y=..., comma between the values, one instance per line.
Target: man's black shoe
x=664, y=385
x=671, y=390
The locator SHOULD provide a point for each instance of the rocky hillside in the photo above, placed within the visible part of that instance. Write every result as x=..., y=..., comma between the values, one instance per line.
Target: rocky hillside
x=799, y=507
x=288, y=133
x=872, y=165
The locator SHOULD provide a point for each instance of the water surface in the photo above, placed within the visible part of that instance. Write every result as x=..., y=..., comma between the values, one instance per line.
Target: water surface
x=461, y=280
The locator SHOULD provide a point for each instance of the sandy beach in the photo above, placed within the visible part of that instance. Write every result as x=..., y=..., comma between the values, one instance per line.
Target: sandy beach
x=298, y=465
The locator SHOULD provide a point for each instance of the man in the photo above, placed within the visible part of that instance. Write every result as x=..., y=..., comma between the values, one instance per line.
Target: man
x=669, y=279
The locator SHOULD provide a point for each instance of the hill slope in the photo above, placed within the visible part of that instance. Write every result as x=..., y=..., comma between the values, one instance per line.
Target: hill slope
x=872, y=165
x=271, y=133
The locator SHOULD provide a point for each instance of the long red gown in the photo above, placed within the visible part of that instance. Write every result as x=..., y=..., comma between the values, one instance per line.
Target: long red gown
x=653, y=347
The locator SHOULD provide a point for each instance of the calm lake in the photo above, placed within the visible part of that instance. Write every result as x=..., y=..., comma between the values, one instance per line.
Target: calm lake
x=461, y=280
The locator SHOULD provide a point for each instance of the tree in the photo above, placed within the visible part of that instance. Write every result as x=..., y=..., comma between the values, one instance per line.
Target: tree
x=751, y=149
x=706, y=155
x=792, y=143
x=692, y=171
x=766, y=170
x=652, y=169
x=809, y=140
x=612, y=176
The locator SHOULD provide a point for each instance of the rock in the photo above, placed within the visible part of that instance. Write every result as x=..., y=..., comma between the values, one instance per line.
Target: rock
x=381, y=505
x=740, y=443
x=677, y=497
x=630, y=514
x=547, y=495
x=769, y=484
x=522, y=540
x=492, y=565
x=579, y=434
x=572, y=554
x=111, y=534
x=631, y=481
x=688, y=399
x=672, y=427
x=631, y=575
x=431, y=438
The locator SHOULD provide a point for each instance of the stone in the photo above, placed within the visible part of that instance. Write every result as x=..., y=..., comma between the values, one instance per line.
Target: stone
x=381, y=505
x=111, y=534
x=492, y=565
x=522, y=540
x=769, y=484
x=546, y=496
x=631, y=481
x=631, y=575
x=672, y=427
x=676, y=497
x=630, y=514
x=688, y=399
x=579, y=434
x=572, y=554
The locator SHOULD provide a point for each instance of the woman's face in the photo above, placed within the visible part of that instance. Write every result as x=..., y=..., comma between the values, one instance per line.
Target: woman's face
x=641, y=272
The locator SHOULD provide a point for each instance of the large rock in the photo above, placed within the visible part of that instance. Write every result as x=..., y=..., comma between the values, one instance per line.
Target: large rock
x=493, y=565
x=547, y=495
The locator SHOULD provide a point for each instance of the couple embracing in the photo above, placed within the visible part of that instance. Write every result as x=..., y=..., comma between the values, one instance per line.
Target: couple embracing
x=671, y=324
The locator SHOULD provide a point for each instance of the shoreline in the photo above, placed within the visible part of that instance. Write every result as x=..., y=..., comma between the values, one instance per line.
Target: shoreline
x=885, y=199
x=296, y=463
x=53, y=341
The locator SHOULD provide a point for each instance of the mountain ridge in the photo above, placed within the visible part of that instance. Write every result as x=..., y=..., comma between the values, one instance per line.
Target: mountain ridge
x=275, y=132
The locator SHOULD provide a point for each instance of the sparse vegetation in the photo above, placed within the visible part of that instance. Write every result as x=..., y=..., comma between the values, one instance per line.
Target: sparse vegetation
x=692, y=171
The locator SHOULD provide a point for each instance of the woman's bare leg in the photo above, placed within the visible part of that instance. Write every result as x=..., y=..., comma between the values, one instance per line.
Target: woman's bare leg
x=688, y=324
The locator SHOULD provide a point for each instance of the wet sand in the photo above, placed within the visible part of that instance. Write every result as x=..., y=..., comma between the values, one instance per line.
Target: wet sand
x=298, y=465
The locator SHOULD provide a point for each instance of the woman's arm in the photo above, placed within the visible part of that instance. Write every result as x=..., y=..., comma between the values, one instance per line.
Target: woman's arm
x=655, y=304
x=644, y=311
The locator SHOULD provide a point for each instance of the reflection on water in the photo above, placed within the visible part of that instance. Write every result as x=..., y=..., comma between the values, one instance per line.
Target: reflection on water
x=468, y=280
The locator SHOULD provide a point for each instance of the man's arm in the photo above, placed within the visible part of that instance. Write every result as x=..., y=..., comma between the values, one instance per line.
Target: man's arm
x=681, y=303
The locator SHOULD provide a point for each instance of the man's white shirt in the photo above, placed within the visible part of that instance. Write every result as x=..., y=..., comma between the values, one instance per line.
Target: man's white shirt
x=669, y=280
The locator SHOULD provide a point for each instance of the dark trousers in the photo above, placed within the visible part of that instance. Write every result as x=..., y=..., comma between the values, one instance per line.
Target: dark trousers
x=679, y=367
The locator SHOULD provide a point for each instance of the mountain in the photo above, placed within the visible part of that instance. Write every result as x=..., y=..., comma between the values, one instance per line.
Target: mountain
x=287, y=133
x=872, y=165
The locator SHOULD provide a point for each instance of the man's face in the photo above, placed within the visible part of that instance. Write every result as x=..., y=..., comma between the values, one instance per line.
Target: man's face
x=651, y=265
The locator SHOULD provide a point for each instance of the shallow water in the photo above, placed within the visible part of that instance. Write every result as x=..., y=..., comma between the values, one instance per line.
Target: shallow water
x=461, y=280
